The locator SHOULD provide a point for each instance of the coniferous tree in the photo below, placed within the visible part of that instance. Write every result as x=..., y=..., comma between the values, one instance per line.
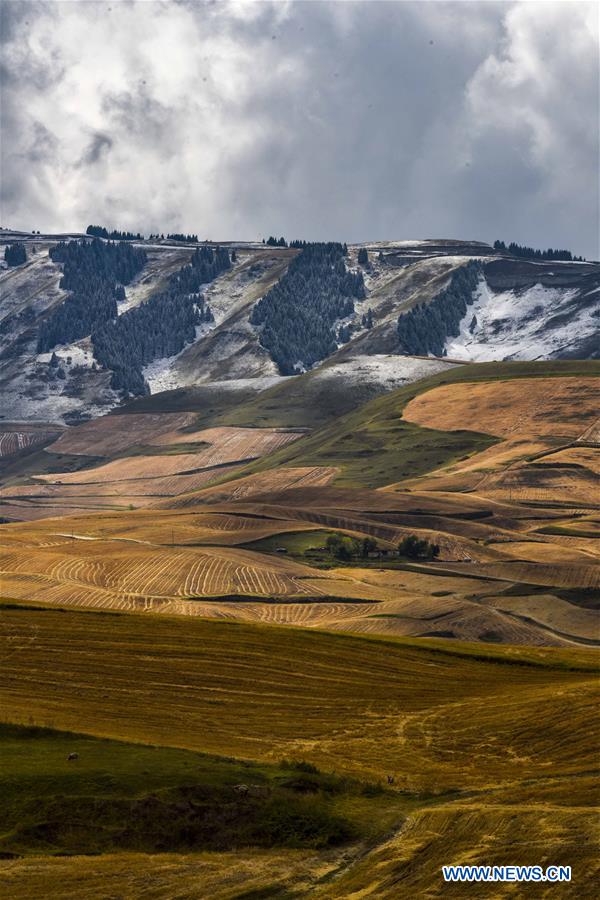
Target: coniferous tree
x=531, y=253
x=297, y=316
x=424, y=329
x=363, y=257
x=93, y=272
x=186, y=238
x=161, y=326
x=100, y=232
x=15, y=254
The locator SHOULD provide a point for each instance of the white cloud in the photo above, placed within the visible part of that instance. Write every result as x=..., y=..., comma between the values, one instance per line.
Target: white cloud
x=347, y=120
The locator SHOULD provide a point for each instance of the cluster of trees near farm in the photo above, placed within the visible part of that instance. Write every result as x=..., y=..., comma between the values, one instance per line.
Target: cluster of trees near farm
x=299, y=312
x=15, y=254
x=425, y=328
x=346, y=548
x=530, y=253
x=162, y=325
x=95, y=273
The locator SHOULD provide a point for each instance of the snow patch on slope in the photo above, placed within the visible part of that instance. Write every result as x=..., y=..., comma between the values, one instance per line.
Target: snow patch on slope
x=78, y=353
x=161, y=375
x=538, y=322
x=386, y=370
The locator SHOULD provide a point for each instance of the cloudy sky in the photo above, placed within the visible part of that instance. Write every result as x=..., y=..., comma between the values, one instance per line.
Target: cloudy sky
x=343, y=120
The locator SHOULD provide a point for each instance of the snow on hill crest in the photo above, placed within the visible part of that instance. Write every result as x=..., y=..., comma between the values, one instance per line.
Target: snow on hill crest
x=522, y=309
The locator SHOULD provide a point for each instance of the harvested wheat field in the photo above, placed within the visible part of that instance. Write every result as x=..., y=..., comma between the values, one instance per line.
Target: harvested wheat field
x=206, y=525
x=561, y=408
x=219, y=876
x=269, y=482
x=457, y=726
x=553, y=613
x=179, y=462
x=41, y=500
x=109, y=435
x=134, y=569
x=225, y=445
x=416, y=692
x=128, y=573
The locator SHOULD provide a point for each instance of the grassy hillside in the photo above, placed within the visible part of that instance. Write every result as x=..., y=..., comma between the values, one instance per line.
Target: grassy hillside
x=67, y=794
x=307, y=401
x=375, y=446
x=475, y=739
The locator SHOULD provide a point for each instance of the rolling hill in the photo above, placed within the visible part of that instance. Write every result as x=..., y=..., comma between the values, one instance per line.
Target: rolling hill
x=298, y=635
x=457, y=728
x=473, y=459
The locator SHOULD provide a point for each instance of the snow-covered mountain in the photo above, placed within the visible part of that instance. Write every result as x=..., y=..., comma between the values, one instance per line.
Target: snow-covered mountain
x=520, y=309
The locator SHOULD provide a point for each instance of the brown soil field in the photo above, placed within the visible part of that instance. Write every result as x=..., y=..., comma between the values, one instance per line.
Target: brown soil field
x=174, y=527
x=561, y=408
x=587, y=457
x=101, y=562
x=109, y=435
x=556, y=614
x=264, y=482
x=493, y=517
x=544, y=482
x=567, y=575
x=545, y=552
x=227, y=445
x=159, y=561
x=138, y=491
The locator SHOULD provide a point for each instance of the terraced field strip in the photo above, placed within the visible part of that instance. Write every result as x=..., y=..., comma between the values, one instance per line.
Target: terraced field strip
x=144, y=571
x=12, y=442
x=566, y=575
x=227, y=445
x=266, y=482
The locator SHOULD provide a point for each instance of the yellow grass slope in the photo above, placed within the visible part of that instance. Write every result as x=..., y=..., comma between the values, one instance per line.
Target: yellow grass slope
x=491, y=749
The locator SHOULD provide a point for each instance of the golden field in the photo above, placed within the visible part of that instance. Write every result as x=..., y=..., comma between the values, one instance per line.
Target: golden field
x=487, y=747
x=164, y=592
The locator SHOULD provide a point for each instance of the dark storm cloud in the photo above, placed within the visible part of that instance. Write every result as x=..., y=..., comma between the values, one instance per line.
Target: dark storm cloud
x=347, y=120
